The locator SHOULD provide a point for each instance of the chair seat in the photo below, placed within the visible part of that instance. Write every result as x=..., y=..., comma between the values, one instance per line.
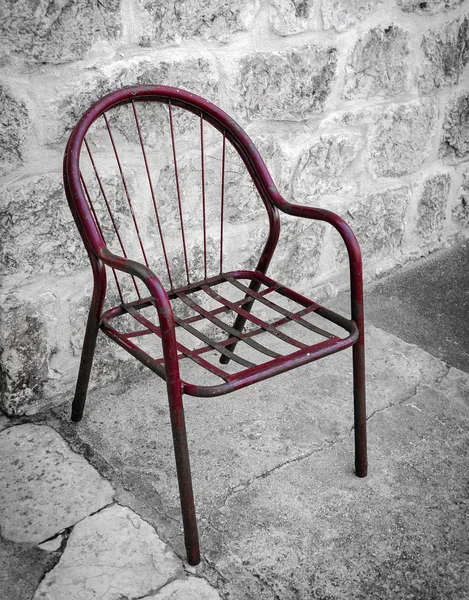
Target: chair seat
x=283, y=330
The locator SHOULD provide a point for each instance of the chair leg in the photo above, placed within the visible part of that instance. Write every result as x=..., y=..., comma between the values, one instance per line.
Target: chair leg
x=239, y=326
x=361, y=462
x=186, y=495
x=86, y=362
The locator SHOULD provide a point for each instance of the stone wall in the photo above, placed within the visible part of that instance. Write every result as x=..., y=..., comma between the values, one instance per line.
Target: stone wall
x=360, y=106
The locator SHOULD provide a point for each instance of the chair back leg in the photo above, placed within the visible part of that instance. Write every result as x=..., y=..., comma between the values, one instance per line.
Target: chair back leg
x=240, y=322
x=87, y=354
x=361, y=461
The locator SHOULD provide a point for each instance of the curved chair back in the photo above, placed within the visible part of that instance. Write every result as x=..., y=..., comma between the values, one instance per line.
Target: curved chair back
x=161, y=176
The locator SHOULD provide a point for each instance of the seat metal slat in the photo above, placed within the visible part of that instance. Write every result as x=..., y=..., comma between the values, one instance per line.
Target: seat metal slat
x=186, y=351
x=213, y=344
x=283, y=311
x=234, y=332
x=259, y=322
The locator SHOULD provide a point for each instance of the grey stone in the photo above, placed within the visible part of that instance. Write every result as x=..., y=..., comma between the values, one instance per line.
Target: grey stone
x=378, y=221
x=22, y=566
x=287, y=17
x=446, y=51
x=460, y=210
x=54, y=31
x=193, y=588
x=197, y=75
x=276, y=497
x=300, y=244
x=323, y=166
x=27, y=351
x=111, y=555
x=40, y=471
x=432, y=207
x=14, y=124
x=401, y=137
x=40, y=235
x=343, y=14
x=175, y=21
x=313, y=516
x=290, y=85
x=378, y=65
x=428, y=6
x=454, y=145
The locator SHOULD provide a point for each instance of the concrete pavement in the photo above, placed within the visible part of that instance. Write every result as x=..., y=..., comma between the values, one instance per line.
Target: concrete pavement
x=91, y=510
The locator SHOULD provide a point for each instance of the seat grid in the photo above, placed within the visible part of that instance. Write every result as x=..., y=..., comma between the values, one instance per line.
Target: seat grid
x=200, y=326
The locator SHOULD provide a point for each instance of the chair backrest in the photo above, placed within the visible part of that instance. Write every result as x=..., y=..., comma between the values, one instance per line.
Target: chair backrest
x=159, y=175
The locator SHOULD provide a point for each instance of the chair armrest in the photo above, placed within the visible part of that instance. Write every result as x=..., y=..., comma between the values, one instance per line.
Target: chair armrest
x=322, y=214
x=155, y=287
x=351, y=243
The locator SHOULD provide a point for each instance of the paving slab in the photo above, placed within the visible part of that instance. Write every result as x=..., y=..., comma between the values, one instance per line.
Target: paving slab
x=281, y=514
x=22, y=566
x=192, y=588
x=46, y=487
x=111, y=555
x=426, y=303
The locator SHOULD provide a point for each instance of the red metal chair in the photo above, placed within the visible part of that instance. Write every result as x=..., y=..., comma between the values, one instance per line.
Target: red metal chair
x=112, y=168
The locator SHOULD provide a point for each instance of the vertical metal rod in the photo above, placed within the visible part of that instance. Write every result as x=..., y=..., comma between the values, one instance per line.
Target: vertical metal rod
x=98, y=225
x=152, y=194
x=178, y=189
x=359, y=383
x=203, y=191
x=109, y=210
x=126, y=190
x=222, y=199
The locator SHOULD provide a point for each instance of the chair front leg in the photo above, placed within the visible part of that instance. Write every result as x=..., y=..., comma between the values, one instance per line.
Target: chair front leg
x=181, y=453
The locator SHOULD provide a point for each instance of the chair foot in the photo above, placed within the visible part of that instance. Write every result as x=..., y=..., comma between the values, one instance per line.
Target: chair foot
x=76, y=415
x=361, y=470
x=193, y=556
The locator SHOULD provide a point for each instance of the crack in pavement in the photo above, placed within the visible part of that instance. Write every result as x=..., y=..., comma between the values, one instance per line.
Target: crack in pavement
x=416, y=390
x=243, y=486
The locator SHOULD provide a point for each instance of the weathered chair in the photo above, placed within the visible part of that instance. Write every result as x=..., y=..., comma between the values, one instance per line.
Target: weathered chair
x=125, y=157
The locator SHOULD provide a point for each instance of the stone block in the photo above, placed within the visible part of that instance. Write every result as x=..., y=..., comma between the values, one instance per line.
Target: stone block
x=28, y=330
x=460, y=211
x=431, y=209
x=111, y=555
x=343, y=14
x=378, y=65
x=40, y=235
x=429, y=6
x=14, y=125
x=287, y=17
x=54, y=31
x=401, y=137
x=454, y=144
x=446, y=54
x=378, y=222
x=47, y=487
x=291, y=85
x=322, y=167
x=297, y=256
x=173, y=21
x=197, y=75
x=194, y=588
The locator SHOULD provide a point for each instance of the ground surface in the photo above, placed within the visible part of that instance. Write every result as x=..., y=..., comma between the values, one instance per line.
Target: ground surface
x=281, y=513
